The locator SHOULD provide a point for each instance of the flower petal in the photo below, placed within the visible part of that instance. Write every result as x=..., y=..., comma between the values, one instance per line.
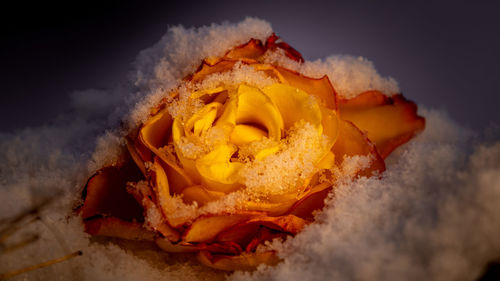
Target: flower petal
x=314, y=200
x=177, y=177
x=200, y=195
x=206, y=228
x=202, y=120
x=153, y=136
x=106, y=194
x=330, y=123
x=389, y=122
x=217, y=170
x=253, y=49
x=254, y=107
x=289, y=51
x=170, y=247
x=152, y=202
x=245, y=134
x=245, y=232
x=352, y=142
x=188, y=164
x=183, y=247
x=205, y=94
x=155, y=132
x=263, y=235
x=319, y=87
x=206, y=68
x=245, y=261
x=134, y=153
x=294, y=105
x=272, y=209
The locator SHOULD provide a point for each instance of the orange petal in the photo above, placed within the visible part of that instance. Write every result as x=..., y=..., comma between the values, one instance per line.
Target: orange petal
x=365, y=100
x=272, y=209
x=206, y=68
x=305, y=207
x=199, y=194
x=320, y=88
x=289, y=51
x=114, y=227
x=167, y=246
x=183, y=247
x=253, y=49
x=351, y=142
x=155, y=132
x=139, y=161
x=157, y=220
x=177, y=177
x=245, y=261
x=230, y=248
x=144, y=153
x=289, y=224
x=161, y=187
x=246, y=232
x=106, y=194
x=263, y=235
x=206, y=228
x=389, y=122
x=241, y=233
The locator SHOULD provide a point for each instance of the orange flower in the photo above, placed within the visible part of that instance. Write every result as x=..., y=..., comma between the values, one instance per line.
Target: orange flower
x=224, y=164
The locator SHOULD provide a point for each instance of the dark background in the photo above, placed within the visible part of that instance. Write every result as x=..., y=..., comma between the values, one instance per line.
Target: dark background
x=443, y=54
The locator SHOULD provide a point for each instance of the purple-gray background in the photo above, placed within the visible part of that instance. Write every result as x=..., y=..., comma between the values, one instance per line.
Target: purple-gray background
x=443, y=54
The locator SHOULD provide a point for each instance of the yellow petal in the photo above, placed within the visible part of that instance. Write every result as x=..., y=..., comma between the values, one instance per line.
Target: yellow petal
x=199, y=194
x=188, y=164
x=209, y=92
x=263, y=153
x=255, y=108
x=217, y=171
x=155, y=132
x=202, y=120
x=245, y=134
x=321, y=88
x=177, y=176
x=330, y=123
x=154, y=136
x=229, y=112
x=327, y=161
x=162, y=190
x=294, y=105
x=159, y=177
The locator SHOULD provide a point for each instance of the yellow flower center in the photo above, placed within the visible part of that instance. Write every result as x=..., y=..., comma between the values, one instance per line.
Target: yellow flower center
x=270, y=140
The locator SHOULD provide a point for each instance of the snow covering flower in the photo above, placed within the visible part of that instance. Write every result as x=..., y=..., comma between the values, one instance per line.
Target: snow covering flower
x=243, y=152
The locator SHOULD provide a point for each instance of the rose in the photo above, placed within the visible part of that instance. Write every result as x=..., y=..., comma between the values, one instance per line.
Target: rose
x=242, y=153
